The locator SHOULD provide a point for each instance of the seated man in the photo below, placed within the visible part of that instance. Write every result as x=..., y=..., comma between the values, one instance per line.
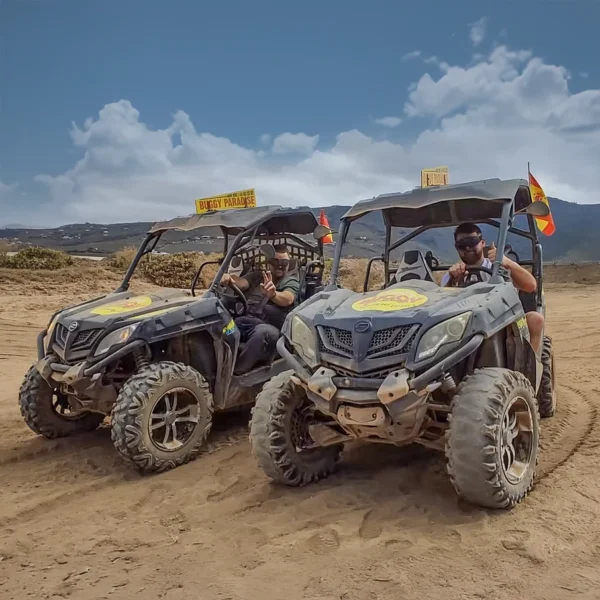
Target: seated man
x=271, y=295
x=469, y=243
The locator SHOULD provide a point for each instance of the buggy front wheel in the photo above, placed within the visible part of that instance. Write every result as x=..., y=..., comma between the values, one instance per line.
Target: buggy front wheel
x=493, y=439
x=280, y=439
x=162, y=416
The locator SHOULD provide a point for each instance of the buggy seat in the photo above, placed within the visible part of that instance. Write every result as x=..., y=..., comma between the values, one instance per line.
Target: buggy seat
x=412, y=266
x=307, y=265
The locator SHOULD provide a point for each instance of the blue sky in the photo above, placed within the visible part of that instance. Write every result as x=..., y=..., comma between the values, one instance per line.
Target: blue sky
x=240, y=70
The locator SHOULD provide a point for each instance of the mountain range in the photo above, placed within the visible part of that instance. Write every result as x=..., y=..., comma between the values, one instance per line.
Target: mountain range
x=575, y=239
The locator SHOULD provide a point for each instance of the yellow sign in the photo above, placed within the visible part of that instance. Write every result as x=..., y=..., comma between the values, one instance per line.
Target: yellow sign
x=389, y=300
x=123, y=306
x=434, y=177
x=241, y=199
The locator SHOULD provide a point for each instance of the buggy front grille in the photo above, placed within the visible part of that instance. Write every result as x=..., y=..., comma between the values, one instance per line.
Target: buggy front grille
x=385, y=342
x=83, y=340
x=335, y=341
x=393, y=341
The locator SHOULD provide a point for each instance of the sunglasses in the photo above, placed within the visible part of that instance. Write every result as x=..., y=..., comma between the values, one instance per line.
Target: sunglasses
x=280, y=263
x=469, y=242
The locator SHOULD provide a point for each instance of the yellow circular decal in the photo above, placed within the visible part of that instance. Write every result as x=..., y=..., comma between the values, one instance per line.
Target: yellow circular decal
x=389, y=300
x=123, y=306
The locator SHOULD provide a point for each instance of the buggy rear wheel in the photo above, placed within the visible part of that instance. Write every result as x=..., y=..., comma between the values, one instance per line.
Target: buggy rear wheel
x=493, y=439
x=162, y=416
x=47, y=412
x=280, y=439
x=547, y=391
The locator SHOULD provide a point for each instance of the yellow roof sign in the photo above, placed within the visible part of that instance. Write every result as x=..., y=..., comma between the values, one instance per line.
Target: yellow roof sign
x=435, y=176
x=241, y=199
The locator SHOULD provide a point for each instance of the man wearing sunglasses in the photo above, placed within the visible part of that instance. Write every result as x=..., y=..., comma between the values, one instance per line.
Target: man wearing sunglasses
x=469, y=243
x=271, y=294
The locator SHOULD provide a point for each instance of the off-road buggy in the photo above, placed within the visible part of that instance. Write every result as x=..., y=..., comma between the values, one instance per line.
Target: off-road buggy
x=160, y=364
x=449, y=368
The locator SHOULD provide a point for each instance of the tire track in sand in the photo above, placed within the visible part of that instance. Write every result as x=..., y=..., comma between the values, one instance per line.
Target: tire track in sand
x=562, y=438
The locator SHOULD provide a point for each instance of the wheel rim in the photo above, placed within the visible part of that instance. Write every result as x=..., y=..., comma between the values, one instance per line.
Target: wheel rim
x=301, y=419
x=174, y=419
x=62, y=408
x=516, y=445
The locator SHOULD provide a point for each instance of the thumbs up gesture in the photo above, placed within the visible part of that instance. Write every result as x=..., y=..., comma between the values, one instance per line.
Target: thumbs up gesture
x=492, y=252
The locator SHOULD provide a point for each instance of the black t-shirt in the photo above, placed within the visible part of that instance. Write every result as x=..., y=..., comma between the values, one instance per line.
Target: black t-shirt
x=265, y=309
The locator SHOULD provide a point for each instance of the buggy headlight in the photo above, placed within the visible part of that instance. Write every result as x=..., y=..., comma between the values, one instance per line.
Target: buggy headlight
x=441, y=334
x=50, y=331
x=52, y=325
x=303, y=340
x=120, y=336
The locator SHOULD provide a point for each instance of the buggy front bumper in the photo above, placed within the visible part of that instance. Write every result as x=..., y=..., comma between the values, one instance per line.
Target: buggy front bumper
x=50, y=369
x=400, y=388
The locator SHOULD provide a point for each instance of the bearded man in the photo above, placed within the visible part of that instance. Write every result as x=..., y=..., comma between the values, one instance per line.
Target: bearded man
x=469, y=243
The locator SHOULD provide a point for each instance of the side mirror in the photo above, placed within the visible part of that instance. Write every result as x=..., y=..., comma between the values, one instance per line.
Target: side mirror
x=268, y=251
x=321, y=231
x=535, y=209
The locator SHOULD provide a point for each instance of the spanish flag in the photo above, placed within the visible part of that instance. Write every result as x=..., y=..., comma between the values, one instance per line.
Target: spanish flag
x=545, y=224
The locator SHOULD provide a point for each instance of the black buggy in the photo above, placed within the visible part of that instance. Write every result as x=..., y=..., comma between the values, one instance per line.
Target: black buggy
x=161, y=364
x=449, y=368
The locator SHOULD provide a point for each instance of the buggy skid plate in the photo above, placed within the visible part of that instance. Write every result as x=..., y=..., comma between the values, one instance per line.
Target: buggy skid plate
x=393, y=393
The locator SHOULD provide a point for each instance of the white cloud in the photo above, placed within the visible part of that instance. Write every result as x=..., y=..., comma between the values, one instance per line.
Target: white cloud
x=584, y=75
x=412, y=55
x=5, y=188
x=389, y=121
x=478, y=30
x=483, y=120
x=428, y=60
x=292, y=143
x=265, y=138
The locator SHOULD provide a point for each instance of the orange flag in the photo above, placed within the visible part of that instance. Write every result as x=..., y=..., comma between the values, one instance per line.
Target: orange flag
x=327, y=239
x=545, y=224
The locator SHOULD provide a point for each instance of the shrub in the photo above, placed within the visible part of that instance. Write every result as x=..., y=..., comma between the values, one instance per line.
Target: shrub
x=37, y=259
x=171, y=270
x=121, y=259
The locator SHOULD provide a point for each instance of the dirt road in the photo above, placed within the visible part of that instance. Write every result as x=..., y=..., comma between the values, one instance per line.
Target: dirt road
x=76, y=523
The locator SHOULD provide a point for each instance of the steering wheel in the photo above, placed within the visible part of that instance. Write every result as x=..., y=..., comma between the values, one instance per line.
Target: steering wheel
x=237, y=311
x=473, y=275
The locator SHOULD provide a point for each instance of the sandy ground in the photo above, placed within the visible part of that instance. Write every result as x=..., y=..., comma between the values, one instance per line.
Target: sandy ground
x=77, y=523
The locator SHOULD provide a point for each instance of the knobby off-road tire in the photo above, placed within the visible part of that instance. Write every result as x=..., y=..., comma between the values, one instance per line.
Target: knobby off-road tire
x=272, y=439
x=132, y=416
x=36, y=404
x=474, y=440
x=547, y=391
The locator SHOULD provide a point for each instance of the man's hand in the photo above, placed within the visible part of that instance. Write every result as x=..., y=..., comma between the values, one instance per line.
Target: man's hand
x=521, y=278
x=268, y=287
x=457, y=271
x=506, y=262
x=226, y=279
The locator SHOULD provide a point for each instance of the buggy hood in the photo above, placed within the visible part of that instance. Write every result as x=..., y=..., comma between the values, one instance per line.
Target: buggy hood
x=125, y=306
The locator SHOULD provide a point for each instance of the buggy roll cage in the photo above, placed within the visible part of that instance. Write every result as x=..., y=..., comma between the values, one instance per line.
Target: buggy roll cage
x=513, y=197
x=246, y=225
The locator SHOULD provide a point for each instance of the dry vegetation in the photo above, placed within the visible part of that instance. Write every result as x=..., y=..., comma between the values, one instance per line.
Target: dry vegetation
x=36, y=259
x=49, y=269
